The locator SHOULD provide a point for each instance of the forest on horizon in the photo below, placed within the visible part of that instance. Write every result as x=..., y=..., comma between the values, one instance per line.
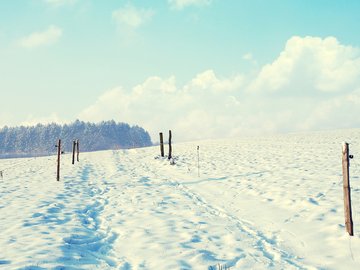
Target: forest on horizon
x=40, y=140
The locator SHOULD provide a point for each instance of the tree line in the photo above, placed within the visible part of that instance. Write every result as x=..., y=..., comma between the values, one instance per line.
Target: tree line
x=40, y=140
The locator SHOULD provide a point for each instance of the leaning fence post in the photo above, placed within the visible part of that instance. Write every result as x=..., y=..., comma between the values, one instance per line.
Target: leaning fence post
x=58, y=160
x=73, y=153
x=346, y=188
x=170, y=147
x=161, y=144
x=77, y=150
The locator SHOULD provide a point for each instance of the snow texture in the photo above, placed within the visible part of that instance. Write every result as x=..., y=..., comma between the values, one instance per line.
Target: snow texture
x=259, y=203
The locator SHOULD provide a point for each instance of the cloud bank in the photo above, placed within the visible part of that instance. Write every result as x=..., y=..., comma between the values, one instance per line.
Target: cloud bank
x=158, y=104
x=312, y=85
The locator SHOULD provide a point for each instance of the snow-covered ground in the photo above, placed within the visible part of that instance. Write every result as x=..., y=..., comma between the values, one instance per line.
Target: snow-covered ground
x=258, y=203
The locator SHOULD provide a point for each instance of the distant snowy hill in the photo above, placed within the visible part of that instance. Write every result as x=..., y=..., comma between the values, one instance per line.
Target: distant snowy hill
x=41, y=139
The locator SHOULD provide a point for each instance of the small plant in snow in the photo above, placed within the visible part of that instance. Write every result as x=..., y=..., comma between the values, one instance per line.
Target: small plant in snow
x=172, y=161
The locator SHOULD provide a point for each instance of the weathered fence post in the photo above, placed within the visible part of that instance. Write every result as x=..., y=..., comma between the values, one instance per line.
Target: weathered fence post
x=77, y=150
x=170, y=147
x=58, y=160
x=161, y=144
x=346, y=188
x=73, y=153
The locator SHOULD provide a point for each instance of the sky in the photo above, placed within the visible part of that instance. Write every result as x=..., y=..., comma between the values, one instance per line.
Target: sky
x=202, y=68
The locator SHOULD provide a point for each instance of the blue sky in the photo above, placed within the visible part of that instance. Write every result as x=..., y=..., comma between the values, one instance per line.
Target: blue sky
x=204, y=68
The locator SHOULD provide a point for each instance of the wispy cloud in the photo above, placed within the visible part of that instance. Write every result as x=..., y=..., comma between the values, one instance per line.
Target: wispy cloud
x=58, y=3
x=132, y=17
x=249, y=58
x=50, y=36
x=181, y=4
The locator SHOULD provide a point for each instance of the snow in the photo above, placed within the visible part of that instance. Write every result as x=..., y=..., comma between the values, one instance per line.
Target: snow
x=259, y=203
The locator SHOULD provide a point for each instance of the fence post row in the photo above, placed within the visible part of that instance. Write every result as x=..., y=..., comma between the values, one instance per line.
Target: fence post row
x=58, y=160
x=170, y=148
x=161, y=144
x=346, y=188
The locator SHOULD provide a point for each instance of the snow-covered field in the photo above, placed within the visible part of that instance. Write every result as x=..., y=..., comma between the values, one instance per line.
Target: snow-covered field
x=259, y=203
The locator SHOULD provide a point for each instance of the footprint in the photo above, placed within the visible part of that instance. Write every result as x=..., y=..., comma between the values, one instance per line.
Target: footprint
x=313, y=201
x=4, y=262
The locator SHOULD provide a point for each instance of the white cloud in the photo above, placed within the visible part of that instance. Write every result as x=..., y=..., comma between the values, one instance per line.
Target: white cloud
x=210, y=106
x=208, y=81
x=181, y=4
x=132, y=17
x=37, y=39
x=57, y=3
x=248, y=56
x=158, y=104
x=334, y=113
x=309, y=65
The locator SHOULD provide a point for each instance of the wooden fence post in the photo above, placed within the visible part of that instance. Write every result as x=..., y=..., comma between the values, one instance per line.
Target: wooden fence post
x=58, y=160
x=73, y=153
x=346, y=188
x=161, y=144
x=77, y=150
x=170, y=147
